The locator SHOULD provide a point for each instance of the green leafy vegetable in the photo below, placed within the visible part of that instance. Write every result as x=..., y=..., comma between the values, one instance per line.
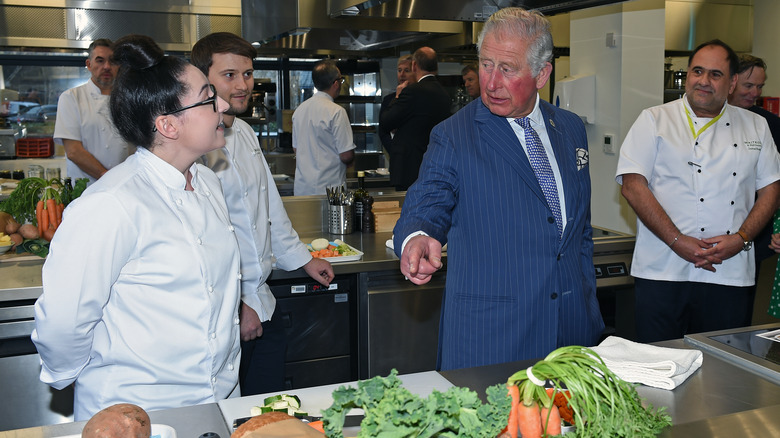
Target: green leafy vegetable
x=603, y=404
x=393, y=411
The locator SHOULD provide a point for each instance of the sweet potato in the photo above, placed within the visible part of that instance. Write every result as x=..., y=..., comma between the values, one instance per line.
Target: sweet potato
x=29, y=231
x=11, y=226
x=17, y=239
x=119, y=421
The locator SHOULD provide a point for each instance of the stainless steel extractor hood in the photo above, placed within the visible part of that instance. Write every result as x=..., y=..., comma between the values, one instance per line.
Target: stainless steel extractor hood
x=72, y=24
x=370, y=25
x=308, y=25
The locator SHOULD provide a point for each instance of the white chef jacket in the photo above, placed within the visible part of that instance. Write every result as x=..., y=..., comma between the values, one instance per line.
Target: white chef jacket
x=83, y=114
x=321, y=131
x=256, y=211
x=141, y=292
x=706, y=184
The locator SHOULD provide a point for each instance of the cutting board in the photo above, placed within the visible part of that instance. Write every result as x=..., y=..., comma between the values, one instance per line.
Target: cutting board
x=318, y=398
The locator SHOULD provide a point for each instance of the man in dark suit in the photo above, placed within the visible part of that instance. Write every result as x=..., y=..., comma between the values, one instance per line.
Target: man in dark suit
x=506, y=184
x=751, y=76
x=416, y=109
x=404, y=74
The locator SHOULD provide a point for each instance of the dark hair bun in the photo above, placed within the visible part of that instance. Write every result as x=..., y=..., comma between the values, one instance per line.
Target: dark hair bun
x=137, y=52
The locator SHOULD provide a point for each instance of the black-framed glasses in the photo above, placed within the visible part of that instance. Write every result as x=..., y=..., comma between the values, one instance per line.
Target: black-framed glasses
x=340, y=79
x=211, y=100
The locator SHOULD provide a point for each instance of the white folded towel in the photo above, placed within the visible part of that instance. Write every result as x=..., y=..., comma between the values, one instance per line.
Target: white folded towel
x=659, y=367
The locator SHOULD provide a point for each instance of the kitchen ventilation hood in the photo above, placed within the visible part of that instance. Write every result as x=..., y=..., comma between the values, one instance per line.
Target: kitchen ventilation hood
x=371, y=25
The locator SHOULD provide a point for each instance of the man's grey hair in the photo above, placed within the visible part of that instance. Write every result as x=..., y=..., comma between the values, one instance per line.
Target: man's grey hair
x=529, y=26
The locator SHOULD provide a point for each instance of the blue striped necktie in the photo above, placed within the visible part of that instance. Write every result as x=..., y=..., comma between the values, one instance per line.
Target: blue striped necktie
x=541, y=166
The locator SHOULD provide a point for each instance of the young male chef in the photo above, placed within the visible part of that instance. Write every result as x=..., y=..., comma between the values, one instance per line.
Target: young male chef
x=256, y=211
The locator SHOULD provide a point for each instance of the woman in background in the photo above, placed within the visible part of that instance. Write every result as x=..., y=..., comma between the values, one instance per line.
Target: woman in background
x=141, y=285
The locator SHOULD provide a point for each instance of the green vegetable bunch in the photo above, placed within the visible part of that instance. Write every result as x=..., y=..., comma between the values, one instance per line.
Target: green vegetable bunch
x=21, y=202
x=604, y=405
x=393, y=411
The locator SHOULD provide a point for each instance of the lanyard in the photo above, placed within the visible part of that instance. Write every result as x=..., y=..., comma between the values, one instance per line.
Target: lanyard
x=704, y=128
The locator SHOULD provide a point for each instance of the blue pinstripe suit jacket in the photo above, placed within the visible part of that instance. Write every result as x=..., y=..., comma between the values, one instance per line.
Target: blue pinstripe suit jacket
x=514, y=290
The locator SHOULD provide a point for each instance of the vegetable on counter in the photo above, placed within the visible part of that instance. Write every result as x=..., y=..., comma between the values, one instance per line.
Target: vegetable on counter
x=392, y=410
x=37, y=204
x=602, y=403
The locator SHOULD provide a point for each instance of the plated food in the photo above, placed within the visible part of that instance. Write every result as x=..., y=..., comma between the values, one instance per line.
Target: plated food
x=335, y=251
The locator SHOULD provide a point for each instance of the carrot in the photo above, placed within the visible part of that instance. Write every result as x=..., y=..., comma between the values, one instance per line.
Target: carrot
x=51, y=209
x=317, y=425
x=60, y=210
x=551, y=419
x=39, y=216
x=529, y=420
x=511, y=427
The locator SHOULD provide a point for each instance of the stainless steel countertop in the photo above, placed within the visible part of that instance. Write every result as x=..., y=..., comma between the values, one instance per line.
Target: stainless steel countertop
x=718, y=400
x=717, y=389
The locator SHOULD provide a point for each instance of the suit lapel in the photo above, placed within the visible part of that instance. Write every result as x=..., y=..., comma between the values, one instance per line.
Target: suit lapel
x=567, y=165
x=497, y=134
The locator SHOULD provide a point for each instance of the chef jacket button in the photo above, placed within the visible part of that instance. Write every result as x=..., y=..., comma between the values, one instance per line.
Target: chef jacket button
x=254, y=226
x=246, y=194
x=269, y=220
x=211, y=289
x=696, y=144
x=239, y=276
x=262, y=188
x=553, y=295
x=728, y=124
x=213, y=380
x=699, y=170
x=732, y=202
x=702, y=228
x=734, y=174
x=178, y=202
x=735, y=145
x=230, y=366
x=701, y=199
x=213, y=335
x=200, y=242
x=208, y=193
x=231, y=228
x=236, y=321
x=551, y=219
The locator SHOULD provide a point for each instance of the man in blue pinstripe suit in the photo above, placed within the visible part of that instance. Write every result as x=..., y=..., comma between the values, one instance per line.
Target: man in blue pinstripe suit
x=520, y=277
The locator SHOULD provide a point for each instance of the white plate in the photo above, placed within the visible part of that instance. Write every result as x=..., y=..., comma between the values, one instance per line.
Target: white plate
x=341, y=259
x=158, y=431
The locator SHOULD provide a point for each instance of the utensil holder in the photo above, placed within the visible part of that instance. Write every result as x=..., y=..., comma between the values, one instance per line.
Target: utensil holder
x=341, y=219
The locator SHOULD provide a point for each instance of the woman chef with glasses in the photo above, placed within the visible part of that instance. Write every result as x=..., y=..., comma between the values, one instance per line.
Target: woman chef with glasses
x=141, y=285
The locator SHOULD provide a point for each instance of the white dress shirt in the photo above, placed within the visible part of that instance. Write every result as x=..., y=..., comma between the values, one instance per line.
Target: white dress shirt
x=706, y=183
x=83, y=115
x=321, y=131
x=141, y=292
x=263, y=229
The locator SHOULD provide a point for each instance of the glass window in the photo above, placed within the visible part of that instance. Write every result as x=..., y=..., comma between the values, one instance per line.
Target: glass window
x=30, y=92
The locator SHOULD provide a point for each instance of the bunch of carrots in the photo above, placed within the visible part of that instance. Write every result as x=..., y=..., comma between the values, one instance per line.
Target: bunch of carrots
x=598, y=401
x=531, y=418
x=48, y=213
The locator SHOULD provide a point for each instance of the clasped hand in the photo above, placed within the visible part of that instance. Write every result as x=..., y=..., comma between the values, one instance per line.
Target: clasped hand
x=705, y=253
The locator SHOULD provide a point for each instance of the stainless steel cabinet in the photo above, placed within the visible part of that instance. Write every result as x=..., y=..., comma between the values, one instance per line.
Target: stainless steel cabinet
x=402, y=324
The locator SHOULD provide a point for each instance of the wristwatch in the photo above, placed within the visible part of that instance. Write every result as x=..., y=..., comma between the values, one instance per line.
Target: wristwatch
x=748, y=244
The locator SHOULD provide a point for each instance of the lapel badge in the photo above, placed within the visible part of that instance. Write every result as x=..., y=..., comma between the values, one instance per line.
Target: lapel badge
x=582, y=158
x=551, y=122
